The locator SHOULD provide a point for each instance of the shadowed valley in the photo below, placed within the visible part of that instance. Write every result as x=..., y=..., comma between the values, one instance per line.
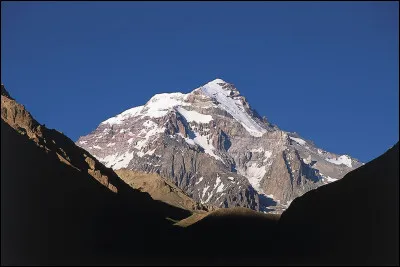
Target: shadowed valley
x=60, y=205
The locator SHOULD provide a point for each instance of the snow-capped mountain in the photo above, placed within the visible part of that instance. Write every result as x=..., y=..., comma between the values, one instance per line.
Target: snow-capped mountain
x=215, y=147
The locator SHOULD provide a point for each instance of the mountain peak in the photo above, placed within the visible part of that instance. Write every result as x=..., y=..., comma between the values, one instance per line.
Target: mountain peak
x=222, y=86
x=212, y=144
x=230, y=100
x=217, y=80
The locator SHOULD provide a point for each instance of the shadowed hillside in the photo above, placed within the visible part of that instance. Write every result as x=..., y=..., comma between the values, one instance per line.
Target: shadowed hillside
x=60, y=205
x=351, y=221
x=234, y=236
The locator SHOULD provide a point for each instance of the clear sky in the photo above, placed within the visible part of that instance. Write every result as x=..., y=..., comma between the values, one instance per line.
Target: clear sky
x=326, y=70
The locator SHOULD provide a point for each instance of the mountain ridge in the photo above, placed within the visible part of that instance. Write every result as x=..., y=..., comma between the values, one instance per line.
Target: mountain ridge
x=60, y=205
x=215, y=126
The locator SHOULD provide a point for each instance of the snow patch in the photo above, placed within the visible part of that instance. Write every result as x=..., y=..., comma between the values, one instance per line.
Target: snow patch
x=96, y=146
x=204, y=191
x=108, y=159
x=307, y=160
x=188, y=140
x=83, y=142
x=202, y=141
x=344, y=159
x=254, y=174
x=199, y=181
x=330, y=179
x=208, y=148
x=150, y=152
x=154, y=129
x=267, y=155
x=116, y=161
x=123, y=116
x=209, y=198
x=195, y=116
x=110, y=144
x=156, y=107
x=123, y=160
x=160, y=104
x=298, y=140
x=220, y=188
x=219, y=184
x=141, y=154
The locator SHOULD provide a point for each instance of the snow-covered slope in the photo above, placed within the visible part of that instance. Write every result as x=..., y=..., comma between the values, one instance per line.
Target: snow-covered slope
x=232, y=102
x=215, y=147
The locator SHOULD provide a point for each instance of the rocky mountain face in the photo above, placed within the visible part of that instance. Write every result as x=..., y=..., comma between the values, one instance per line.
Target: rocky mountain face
x=162, y=189
x=216, y=148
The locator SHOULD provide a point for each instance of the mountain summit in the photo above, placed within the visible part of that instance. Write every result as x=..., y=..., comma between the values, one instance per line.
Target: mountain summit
x=216, y=148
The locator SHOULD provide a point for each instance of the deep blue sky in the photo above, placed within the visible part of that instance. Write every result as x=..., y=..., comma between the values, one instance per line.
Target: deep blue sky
x=327, y=70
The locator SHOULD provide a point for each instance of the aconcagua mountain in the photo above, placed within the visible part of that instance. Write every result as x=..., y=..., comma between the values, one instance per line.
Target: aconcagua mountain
x=216, y=148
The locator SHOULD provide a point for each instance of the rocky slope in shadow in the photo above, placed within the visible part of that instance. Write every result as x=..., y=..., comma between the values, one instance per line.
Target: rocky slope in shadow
x=351, y=221
x=59, y=205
